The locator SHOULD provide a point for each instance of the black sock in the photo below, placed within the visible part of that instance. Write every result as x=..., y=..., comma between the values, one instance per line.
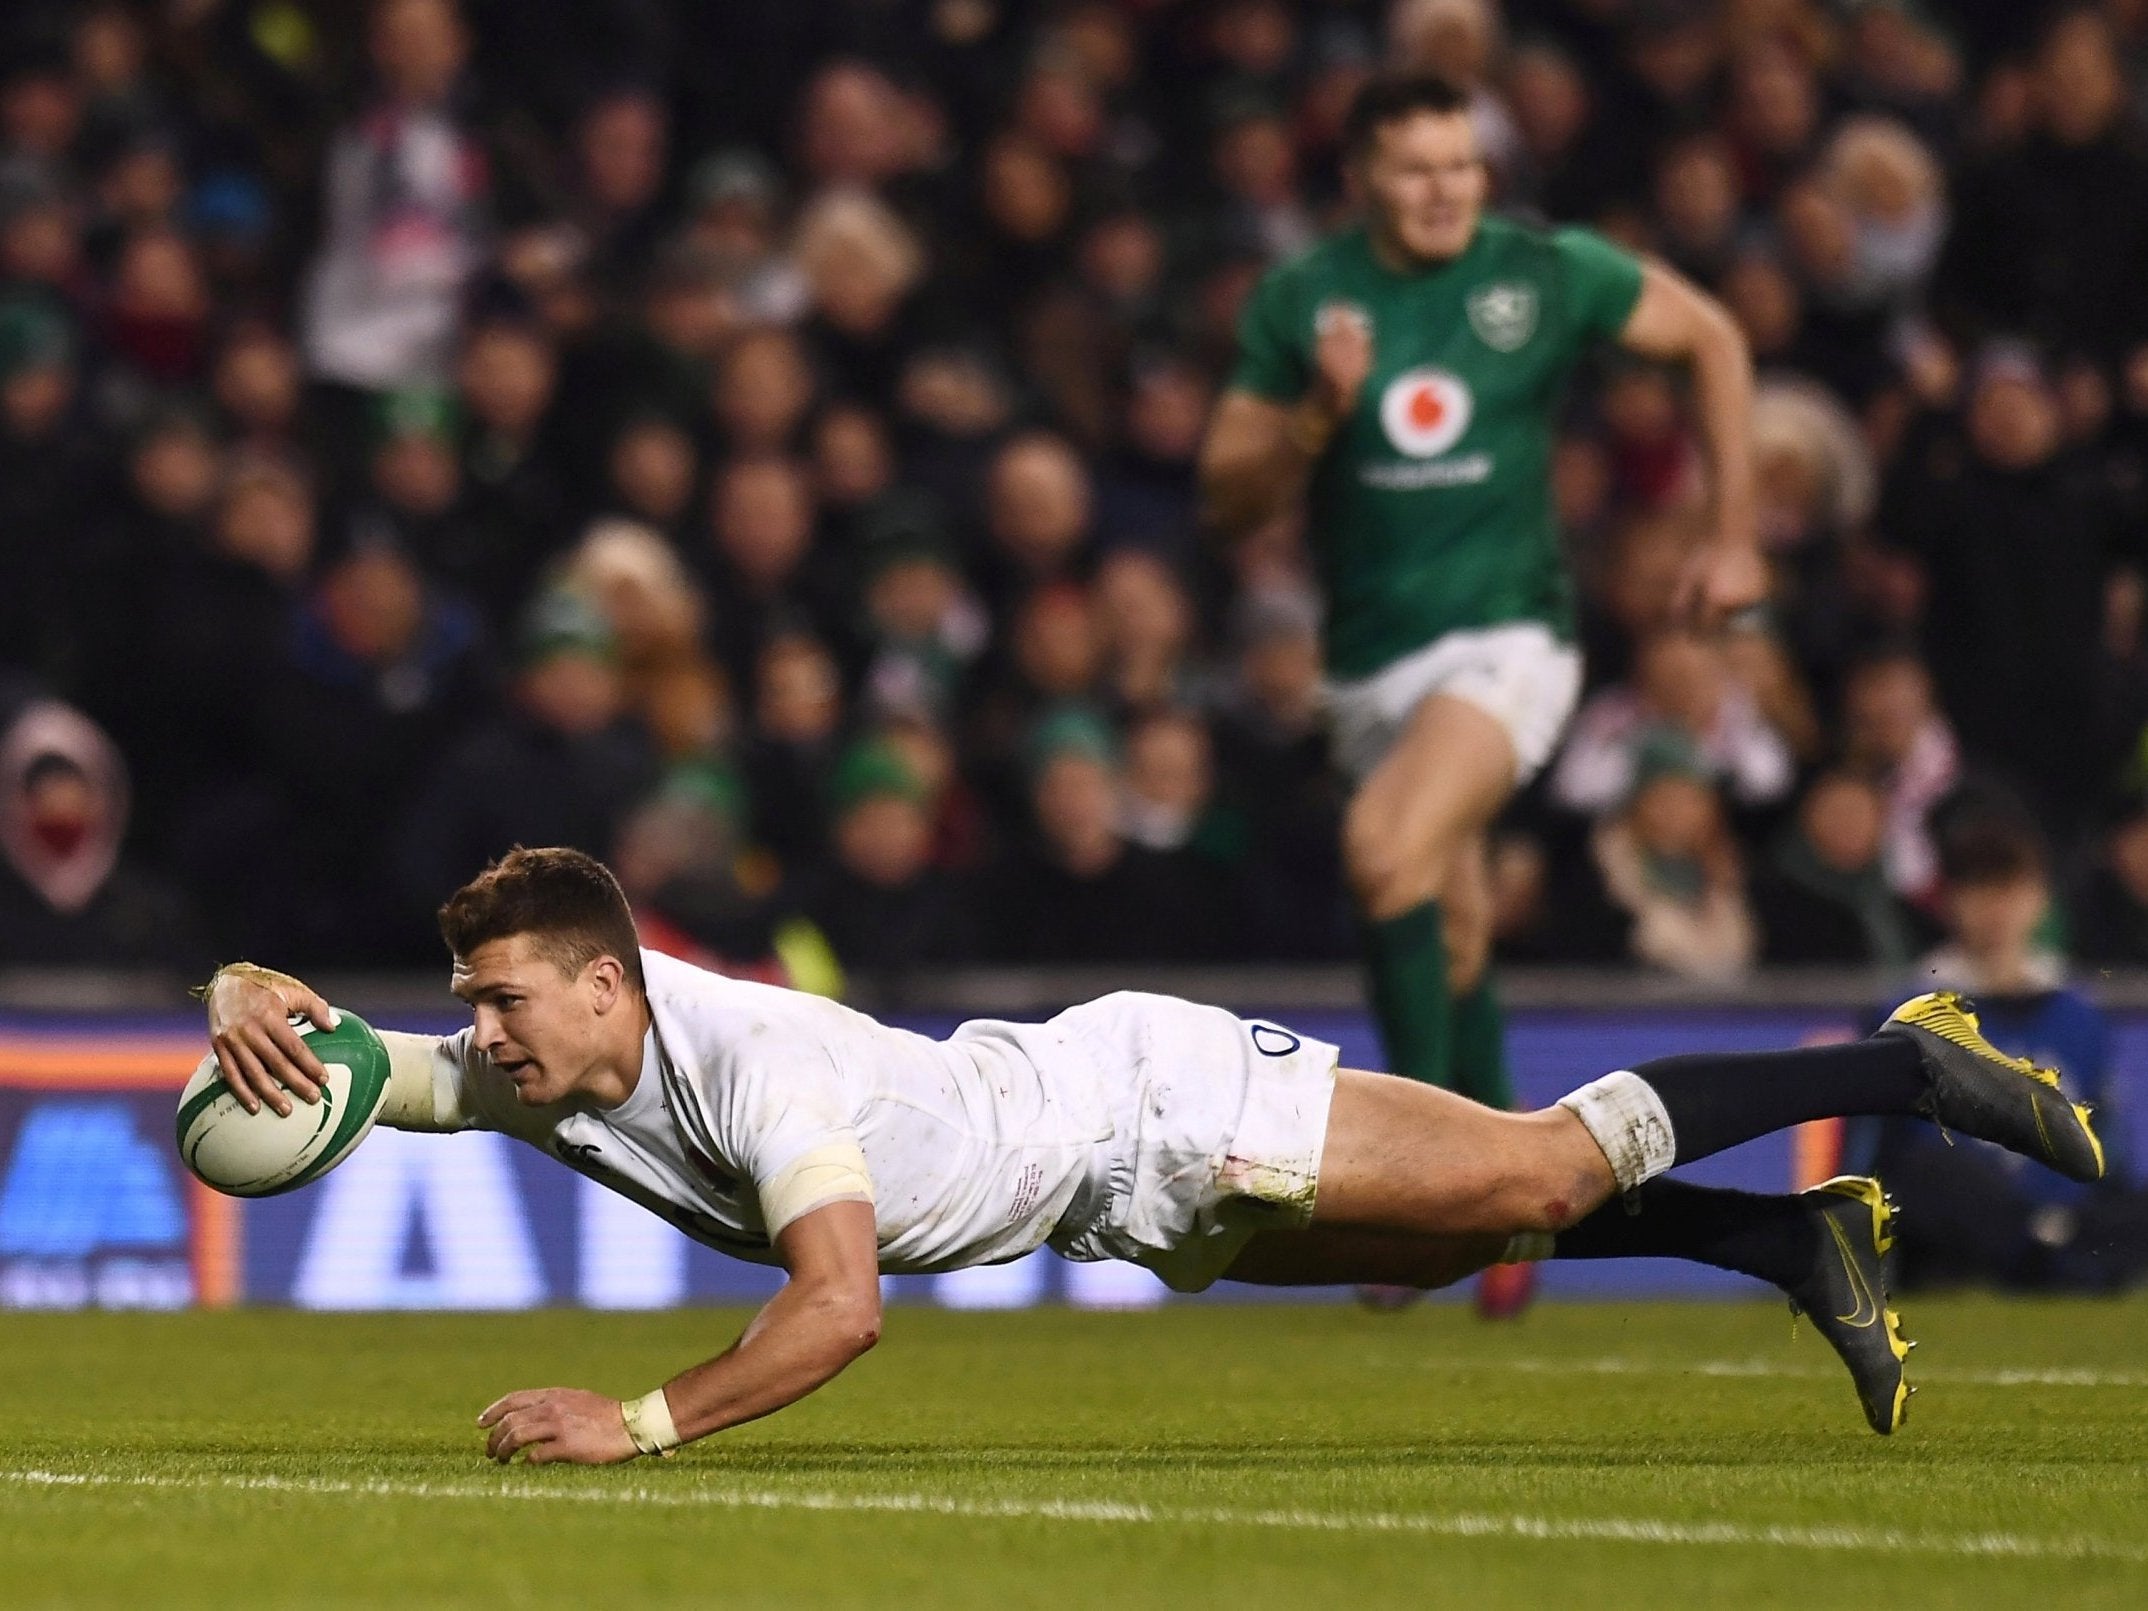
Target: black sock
x=1717, y=1099
x=1769, y=1237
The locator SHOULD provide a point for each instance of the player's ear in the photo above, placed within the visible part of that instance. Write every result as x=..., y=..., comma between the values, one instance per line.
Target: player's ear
x=607, y=983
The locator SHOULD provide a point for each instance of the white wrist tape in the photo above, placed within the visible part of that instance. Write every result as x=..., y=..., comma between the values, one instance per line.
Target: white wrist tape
x=1624, y=1116
x=649, y=1424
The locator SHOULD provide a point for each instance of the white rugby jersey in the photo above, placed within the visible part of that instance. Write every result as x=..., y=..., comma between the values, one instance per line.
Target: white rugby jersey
x=751, y=1096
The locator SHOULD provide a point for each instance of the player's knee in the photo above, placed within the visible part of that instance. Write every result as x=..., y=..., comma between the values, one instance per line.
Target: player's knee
x=1386, y=873
x=1549, y=1195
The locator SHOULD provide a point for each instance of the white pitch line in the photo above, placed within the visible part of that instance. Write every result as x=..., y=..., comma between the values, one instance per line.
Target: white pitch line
x=1540, y=1529
x=1613, y=1365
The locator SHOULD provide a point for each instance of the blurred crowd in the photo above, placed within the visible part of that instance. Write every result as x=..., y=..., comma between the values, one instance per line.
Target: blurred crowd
x=754, y=442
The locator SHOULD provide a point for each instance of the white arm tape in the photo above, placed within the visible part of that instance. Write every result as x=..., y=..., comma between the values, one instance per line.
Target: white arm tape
x=422, y=1089
x=831, y=1174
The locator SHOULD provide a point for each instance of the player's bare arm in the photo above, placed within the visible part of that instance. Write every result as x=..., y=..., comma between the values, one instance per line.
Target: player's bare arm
x=1676, y=321
x=1258, y=454
x=826, y=1315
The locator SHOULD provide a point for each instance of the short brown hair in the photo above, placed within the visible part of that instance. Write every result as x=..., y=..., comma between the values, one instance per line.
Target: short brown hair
x=568, y=903
x=1391, y=97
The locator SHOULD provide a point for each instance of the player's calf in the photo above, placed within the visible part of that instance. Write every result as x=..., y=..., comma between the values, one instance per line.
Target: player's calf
x=1409, y=1157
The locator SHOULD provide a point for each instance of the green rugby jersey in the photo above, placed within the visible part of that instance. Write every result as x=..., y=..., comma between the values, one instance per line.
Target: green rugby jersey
x=1431, y=511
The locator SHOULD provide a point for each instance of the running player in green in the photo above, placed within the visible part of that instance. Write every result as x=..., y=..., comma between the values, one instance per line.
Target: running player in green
x=1403, y=378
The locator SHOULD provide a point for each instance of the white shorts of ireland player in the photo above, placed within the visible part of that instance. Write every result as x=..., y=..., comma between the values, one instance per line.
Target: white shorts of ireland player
x=1218, y=1124
x=1519, y=674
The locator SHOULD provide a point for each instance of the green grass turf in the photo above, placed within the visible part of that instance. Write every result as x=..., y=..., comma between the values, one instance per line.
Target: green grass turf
x=1264, y=1457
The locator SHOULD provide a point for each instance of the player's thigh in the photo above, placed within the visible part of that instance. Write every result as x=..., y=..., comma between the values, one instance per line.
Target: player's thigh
x=1441, y=783
x=1403, y=1156
x=1320, y=1257
x=1328, y=1257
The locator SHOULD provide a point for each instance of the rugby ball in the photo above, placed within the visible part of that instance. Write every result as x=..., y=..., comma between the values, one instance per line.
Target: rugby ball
x=260, y=1154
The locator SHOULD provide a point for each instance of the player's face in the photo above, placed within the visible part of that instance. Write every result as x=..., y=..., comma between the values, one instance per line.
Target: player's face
x=1423, y=182
x=540, y=1027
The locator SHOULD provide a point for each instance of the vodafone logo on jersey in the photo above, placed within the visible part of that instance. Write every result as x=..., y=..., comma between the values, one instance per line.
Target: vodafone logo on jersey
x=1425, y=411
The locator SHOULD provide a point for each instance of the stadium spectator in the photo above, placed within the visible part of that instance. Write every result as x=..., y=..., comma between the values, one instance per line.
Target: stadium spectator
x=697, y=891
x=1037, y=513
x=2017, y=536
x=798, y=720
x=258, y=390
x=69, y=897
x=404, y=226
x=764, y=389
x=2111, y=916
x=853, y=459
x=561, y=766
x=1147, y=624
x=45, y=477
x=1969, y=1214
x=883, y=905
x=1668, y=862
x=413, y=494
x=924, y=625
x=1894, y=736
x=674, y=687
x=862, y=264
x=513, y=505
x=1078, y=891
x=620, y=145
x=1169, y=780
x=954, y=402
x=1146, y=493
x=385, y=671
x=1822, y=895
x=763, y=571
x=154, y=334
x=1682, y=681
x=211, y=639
x=1272, y=764
x=734, y=214
x=1817, y=486
x=653, y=474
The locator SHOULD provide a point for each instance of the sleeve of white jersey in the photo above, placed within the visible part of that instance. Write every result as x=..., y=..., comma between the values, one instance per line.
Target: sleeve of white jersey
x=831, y=1173
x=429, y=1082
x=783, y=1126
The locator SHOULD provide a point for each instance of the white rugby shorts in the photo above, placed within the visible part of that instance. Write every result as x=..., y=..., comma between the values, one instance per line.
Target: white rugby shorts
x=1218, y=1126
x=1519, y=674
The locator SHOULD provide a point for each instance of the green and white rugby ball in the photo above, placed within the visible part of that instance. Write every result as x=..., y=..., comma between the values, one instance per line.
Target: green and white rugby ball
x=260, y=1154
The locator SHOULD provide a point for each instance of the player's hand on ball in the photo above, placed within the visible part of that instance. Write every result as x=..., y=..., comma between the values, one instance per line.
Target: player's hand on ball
x=545, y=1424
x=1342, y=357
x=262, y=1057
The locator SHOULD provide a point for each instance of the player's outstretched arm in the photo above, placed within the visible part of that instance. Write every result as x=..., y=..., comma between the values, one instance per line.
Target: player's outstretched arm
x=1674, y=319
x=827, y=1314
x=264, y=1059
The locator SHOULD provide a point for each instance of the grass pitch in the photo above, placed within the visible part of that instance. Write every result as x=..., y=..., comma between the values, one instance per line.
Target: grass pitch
x=1590, y=1456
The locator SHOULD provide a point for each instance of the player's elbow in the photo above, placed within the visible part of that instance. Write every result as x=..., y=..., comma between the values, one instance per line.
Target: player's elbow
x=860, y=1325
x=849, y=1319
x=1716, y=336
